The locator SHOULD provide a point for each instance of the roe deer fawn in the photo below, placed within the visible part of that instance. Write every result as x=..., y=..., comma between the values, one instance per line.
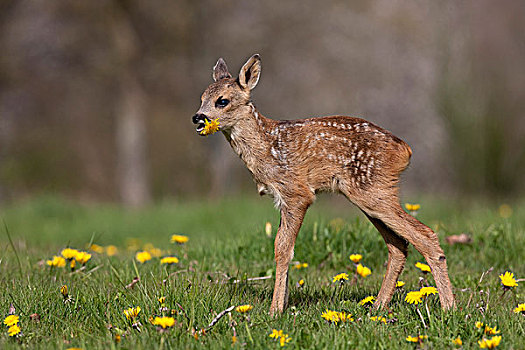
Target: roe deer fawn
x=293, y=160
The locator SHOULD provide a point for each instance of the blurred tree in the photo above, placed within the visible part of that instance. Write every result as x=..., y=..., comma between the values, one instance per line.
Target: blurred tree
x=132, y=167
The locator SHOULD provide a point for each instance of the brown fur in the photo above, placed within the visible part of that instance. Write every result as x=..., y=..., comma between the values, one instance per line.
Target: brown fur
x=293, y=160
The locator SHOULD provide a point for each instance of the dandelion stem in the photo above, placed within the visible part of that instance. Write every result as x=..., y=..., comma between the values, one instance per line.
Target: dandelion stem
x=421, y=316
x=428, y=312
x=340, y=290
x=333, y=295
x=502, y=294
x=248, y=331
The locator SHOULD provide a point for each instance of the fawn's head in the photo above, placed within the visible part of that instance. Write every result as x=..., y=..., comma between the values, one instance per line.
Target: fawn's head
x=226, y=98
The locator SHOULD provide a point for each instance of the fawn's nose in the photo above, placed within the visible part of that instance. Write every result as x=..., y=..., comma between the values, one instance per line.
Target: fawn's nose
x=198, y=118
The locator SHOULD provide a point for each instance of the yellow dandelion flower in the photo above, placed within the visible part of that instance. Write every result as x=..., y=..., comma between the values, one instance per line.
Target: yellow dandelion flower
x=490, y=343
x=132, y=312
x=300, y=283
x=180, y=239
x=276, y=334
x=344, y=317
x=117, y=338
x=491, y=330
x=234, y=340
x=340, y=277
x=82, y=257
x=330, y=316
x=161, y=300
x=57, y=261
x=142, y=257
x=96, y=248
x=150, y=248
x=423, y=267
x=11, y=320
x=356, y=258
x=281, y=336
x=363, y=271
x=64, y=291
x=244, y=308
x=400, y=284
x=210, y=127
x=418, y=339
x=367, y=301
x=378, y=319
x=457, y=341
x=72, y=264
x=519, y=308
x=412, y=339
x=284, y=340
x=426, y=291
x=412, y=207
x=299, y=266
x=507, y=280
x=164, y=321
x=414, y=297
x=479, y=324
x=14, y=330
x=111, y=250
x=336, y=317
x=69, y=253
x=169, y=260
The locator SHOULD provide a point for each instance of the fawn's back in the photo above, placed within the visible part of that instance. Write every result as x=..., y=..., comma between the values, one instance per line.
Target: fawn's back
x=325, y=151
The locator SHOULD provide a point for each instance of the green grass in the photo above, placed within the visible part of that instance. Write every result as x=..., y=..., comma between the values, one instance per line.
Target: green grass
x=228, y=243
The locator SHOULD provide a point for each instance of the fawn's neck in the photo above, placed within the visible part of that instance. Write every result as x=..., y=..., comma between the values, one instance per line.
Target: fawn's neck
x=249, y=139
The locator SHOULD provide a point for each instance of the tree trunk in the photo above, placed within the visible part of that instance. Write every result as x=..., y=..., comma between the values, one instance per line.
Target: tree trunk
x=132, y=175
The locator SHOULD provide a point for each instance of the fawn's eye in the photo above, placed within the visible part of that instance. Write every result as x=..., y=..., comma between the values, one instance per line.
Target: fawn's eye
x=221, y=102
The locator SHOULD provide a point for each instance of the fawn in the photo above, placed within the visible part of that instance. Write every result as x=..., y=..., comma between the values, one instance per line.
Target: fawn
x=293, y=160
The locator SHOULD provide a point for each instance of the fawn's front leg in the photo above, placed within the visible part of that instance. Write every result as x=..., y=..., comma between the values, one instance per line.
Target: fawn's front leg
x=291, y=221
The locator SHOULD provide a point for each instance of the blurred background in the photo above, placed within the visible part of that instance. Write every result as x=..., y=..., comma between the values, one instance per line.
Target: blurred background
x=96, y=97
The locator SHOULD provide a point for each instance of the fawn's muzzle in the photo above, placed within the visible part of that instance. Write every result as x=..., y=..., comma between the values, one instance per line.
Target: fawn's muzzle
x=199, y=119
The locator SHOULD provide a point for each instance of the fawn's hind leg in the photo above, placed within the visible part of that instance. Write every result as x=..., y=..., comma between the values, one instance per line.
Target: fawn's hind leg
x=397, y=255
x=424, y=240
x=381, y=204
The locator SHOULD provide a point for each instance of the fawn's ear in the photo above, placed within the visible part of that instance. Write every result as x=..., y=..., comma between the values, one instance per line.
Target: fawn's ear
x=250, y=72
x=220, y=70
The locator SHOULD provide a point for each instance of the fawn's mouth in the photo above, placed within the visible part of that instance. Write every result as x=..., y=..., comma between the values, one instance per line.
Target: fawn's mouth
x=200, y=120
x=200, y=127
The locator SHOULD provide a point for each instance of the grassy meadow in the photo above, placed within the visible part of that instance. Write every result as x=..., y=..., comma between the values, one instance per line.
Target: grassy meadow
x=226, y=262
